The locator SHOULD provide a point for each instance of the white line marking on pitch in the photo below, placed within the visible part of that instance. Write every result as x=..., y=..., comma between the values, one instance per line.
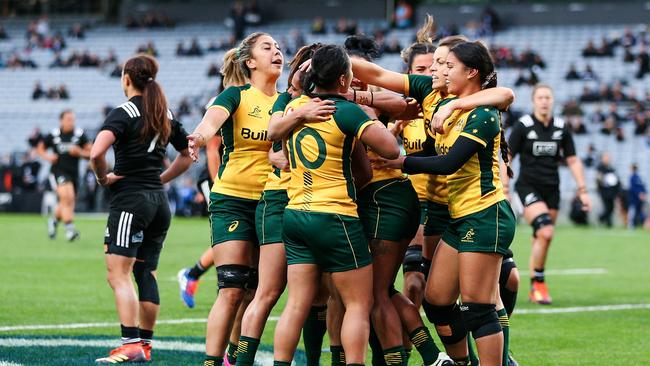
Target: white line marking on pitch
x=576, y=309
x=573, y=271
x=263, y=358
x=8, y=363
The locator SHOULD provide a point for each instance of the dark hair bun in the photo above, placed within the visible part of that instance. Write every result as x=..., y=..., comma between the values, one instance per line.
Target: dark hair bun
x=362, y=46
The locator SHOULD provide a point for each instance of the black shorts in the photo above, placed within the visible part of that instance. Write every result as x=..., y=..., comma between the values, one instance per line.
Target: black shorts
x=57, y=178
x=531, y=193
x=137, y=225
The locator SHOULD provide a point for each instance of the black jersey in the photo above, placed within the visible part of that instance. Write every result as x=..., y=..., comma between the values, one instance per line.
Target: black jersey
x=541, y=148
x=140, y=163
x=61, y=143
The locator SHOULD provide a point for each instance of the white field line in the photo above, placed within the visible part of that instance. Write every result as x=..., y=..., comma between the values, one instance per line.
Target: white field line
x=574, y=271
x=8, y=363
x=576, y=309
x=552, y=272
x=262, y=357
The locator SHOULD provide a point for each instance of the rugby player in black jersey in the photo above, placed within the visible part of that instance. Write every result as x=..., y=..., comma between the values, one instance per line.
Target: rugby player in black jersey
x=68, y=144
x=139, y=131
x=542, y=142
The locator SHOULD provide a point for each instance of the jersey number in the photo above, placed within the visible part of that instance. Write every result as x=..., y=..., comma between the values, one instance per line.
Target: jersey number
x=297, y=149
x=152, y=145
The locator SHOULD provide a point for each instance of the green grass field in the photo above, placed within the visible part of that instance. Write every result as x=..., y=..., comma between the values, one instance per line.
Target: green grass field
x=55, y=287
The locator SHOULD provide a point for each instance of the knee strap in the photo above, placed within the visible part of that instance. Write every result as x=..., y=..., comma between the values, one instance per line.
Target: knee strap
x=147, y=284
x=412, y=259
x=480, y=319
x=448, y=322
x=253, y=279
x=233, y=276
x=425, y=268
x=541, y=221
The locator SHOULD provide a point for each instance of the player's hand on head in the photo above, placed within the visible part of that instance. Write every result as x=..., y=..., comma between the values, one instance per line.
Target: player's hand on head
x=305, y=66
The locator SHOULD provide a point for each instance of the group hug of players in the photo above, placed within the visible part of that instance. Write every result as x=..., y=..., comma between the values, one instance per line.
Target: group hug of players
x=312, y=193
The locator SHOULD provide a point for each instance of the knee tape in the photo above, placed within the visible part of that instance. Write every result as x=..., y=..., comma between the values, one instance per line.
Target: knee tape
x=448, y=322
x=233, y=276
x=509, y=299
x=147, y=284
x=426, y=267
x=253, y=279
x=412, y=259
x=541, y=221
x=480, y=319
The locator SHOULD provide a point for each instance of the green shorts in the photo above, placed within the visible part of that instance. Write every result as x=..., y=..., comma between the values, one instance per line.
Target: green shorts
x=334, y=242
x=389, y=210
x=437, y=219
x=489, y=231
x=423, y=212
x=232, y=218
x=268, y=216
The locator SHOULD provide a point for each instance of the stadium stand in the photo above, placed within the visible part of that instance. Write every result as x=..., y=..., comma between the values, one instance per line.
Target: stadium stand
x=183, y=78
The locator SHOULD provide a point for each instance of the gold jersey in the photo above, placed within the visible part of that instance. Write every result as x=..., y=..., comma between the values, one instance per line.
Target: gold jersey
x=320, y=155
x=477, y=184
x=419, y=88
x=244, y=165
x=277, y=179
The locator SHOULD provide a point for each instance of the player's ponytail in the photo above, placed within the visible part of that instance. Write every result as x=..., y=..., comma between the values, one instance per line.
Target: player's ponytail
x=234, y=69
x=422, y=46
x=505, y=152
x=142, y=70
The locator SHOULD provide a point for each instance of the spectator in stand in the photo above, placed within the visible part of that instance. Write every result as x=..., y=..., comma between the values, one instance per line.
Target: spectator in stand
x=589, y=74
x=253, y=14
x=393, y=46
x=195, y=49
x=3, y=33
x=58, y=61
x=637, y=195
x=341, y=26
x=527, y=77
x=149, y=49
x=572, y=108
x=237, y=20
x=577, y=127
x=213, y=70
x=644, y=63
x=403, y=16
x=628, y=39
x=183, y=108
x=613, y=113
x=38, y=91
x=604, y=93
x=590, y=50
x=117, y=72
x=616, y=93
x=628, y=56
x=111, y=58
x=590, y=158
x=77, y=31
x=598, y=117
x=609, y=187
x=63, y=92
x=641, y=123
x=318, y=26
x=490, y=20
x=572, y=74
